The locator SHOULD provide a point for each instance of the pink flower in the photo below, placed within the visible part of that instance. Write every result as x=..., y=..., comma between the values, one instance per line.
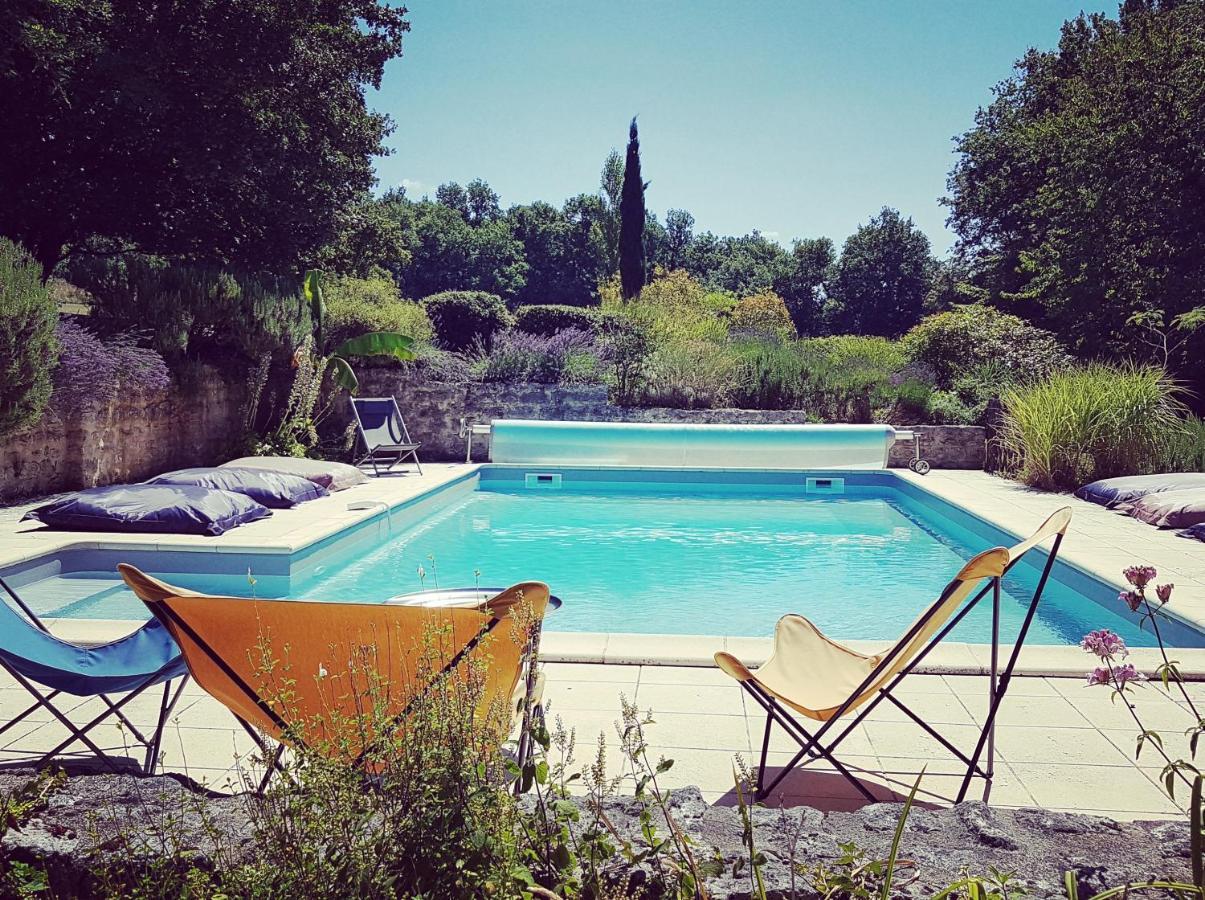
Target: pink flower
x=1164, y=592
x=1132, y=599
x=1121, y=675
x=1105, y=644
x=1140, y=576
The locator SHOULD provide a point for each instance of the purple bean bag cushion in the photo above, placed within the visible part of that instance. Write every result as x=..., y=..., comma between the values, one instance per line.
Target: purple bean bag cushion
x=150, y=508
x=275, y=490
x=1113, y=491
x=1173, y=509
x=334, y=476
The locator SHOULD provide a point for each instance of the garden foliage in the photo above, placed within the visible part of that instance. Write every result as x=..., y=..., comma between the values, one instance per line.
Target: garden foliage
x=548, y=319
x=27, y=341
x=1094, y=422
x=192, y=312
x=464, y=320
x=358, y=305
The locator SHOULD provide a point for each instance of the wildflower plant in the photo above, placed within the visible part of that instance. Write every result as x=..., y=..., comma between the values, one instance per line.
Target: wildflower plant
x=1121, y=676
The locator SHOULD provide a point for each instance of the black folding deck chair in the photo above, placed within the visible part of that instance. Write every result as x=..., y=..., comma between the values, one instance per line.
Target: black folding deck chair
x=822, y=680
x=384, y=434
x=130, y=665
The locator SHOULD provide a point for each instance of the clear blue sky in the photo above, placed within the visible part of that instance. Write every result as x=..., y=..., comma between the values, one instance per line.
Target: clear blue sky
x=799, y=119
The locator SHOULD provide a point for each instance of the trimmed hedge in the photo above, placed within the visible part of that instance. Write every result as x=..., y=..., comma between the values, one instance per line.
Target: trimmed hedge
x=463, y=319
x=546, y=319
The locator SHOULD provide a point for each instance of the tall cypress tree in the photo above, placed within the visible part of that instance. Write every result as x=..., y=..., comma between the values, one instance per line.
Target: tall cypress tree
x=631, y=221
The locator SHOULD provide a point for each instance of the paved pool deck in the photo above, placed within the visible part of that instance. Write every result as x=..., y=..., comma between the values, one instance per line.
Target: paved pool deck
x=1060, y=744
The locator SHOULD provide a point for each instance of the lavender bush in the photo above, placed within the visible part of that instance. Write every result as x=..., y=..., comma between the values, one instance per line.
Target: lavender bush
x=92, y=370
x=570, y=355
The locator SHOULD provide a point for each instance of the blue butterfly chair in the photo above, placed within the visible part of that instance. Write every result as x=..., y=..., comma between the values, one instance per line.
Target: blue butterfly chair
x=141, y=660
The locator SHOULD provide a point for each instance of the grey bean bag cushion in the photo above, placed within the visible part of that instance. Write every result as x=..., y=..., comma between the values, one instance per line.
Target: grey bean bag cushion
x=334, y=476
x=150, y=508
x=275, y=490
x=1111, y=492
x=1173, y=509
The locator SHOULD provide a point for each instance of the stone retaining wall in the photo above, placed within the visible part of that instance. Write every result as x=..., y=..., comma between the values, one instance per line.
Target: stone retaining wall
x=89, y=819
x=433, y=413
x=130, y=439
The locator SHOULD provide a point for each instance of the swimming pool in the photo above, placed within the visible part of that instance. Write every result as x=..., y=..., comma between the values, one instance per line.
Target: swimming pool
x=648, y=551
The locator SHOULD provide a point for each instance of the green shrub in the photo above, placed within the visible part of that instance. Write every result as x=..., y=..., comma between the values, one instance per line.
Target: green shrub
x=948, y=408
x=464, y=319
x=549, y=318
x=28, y=349
x=192, y=311
x=770, y=376
x=690, y=375
x=1093, y=422
x=358, y=305
x=954, y=342
x=764, y=312
x=1186, y=452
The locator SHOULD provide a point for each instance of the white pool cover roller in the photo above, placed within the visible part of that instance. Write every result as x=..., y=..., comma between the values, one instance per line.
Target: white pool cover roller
x=524, y=441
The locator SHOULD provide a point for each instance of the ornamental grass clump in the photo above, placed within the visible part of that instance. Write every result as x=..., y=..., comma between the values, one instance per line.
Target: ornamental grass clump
x=1097, y=421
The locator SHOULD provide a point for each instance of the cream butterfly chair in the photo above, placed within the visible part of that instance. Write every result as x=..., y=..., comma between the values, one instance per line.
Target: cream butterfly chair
x=812, y=675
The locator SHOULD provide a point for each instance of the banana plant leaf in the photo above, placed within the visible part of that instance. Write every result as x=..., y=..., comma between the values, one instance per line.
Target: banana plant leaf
x=343, y=374
x=311, y=287
x=378, y=343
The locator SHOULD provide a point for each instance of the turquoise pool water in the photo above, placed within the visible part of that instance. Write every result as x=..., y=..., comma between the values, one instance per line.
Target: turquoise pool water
x=860, y=567
x=644, y=551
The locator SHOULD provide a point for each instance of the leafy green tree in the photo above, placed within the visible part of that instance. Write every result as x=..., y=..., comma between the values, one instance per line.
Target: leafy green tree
x=232, y=133
x=679, y=232
x=632, y=220
x=610, y=193
x=743, y=265
x=368, y=240
x=880, y=282
x=482, y=202
x=1078, y=195
x=801, y=283
x=447, y=253
x=655, y=238
x=563, y=250
x=452, y=195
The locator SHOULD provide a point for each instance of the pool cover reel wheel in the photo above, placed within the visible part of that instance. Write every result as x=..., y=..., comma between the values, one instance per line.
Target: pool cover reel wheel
x=919, y=466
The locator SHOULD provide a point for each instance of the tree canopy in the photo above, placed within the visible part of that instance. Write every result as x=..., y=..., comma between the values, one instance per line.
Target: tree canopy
x=1079, y=195
x=880, y=282
x=230, y=130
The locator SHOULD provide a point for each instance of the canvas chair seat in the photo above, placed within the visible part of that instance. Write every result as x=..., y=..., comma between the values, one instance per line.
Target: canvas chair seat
x=820, y=679
x=130, y=665
x=241, y=650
